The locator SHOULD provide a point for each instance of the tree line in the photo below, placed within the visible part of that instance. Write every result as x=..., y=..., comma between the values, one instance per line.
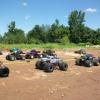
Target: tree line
x=75, y=32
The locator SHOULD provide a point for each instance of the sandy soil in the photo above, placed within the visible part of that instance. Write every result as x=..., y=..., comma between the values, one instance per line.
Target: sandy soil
x=27, y=83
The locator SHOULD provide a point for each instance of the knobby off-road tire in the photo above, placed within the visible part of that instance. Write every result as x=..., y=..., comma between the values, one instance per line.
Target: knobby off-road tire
x=88, y=63
x=29, y=57
x=10, y=57
x=1, y=53
x=22, y=58
x=48, y=67
x=96, y=62
x=77, y=62
x=81, y=51
x=40, y=65
x=99, y=59
x=63, y=66
x=4, y=72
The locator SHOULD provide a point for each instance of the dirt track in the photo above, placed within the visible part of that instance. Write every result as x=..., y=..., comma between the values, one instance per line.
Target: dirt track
x=27, y=83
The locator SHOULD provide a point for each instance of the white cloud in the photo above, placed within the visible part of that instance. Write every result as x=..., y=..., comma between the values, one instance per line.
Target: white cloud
x=24, y=4
x=92, y=10
x=27, y=17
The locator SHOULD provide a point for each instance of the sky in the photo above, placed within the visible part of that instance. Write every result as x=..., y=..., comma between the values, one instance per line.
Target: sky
x=27, y=13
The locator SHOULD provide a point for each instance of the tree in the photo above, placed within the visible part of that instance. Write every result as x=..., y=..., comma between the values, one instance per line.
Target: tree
x=76, y=26
x=53, y=32
x=11, y=26
x=64, y=34
x=19, y=36
x=1, y=39
x=96, y=37
x=57, y=32
x=14, y=35
x=37, y=34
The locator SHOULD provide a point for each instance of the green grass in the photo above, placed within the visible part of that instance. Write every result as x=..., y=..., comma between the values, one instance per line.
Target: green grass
x=47, y=45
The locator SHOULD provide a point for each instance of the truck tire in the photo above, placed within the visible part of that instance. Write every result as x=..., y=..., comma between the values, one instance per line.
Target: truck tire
x=99, y=59
x=10, y=57
x=96, y=62
x=88, y=63
x=29, y=57
x=4, y=72
x=63, y=66
x=40, y=65
x=48, y=67
x=22, y=58
x=1, y=53
x=77, y=62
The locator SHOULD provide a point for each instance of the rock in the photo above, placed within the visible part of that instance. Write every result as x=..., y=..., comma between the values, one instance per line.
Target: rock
x=51, y=92
x=62, y=95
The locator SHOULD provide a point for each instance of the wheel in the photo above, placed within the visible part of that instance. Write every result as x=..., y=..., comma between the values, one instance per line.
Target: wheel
x=10, y=57
x=4, y=71
x=1, y=53
x=88, y=63
x=40, y=65
x=99, y=59
x=82, y=51
x=96, y=62
x=23, y=58
x=29, y=56
x=7, y=57
x=77, y=62
x=63, y=66
x=55, y=55
x=38, y=56
x=48, y=67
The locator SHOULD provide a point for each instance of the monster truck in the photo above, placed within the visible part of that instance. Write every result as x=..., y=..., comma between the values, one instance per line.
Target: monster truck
x=16, y=50
x=87, y=60
x=48, y=52
x=81, y=51
x=49, y=63
x=15, y=56
x=32, y=54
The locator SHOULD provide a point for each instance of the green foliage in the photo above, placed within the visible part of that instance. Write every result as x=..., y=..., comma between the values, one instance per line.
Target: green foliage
x=57, y=34
x=64, y=40
x=13, y=35
x=54, y=33
x=47, y=45
x=11, y=26
x=76, y=26
x=96, y=37
x=37, y=35
x=45, y=34
x=1, y=39
x=79, y=33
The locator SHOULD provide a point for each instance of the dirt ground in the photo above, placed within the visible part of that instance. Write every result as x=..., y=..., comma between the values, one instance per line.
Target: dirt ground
x=27, y=83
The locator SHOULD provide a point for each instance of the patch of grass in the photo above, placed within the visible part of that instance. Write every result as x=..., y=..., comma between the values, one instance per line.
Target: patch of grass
x=47, y=45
